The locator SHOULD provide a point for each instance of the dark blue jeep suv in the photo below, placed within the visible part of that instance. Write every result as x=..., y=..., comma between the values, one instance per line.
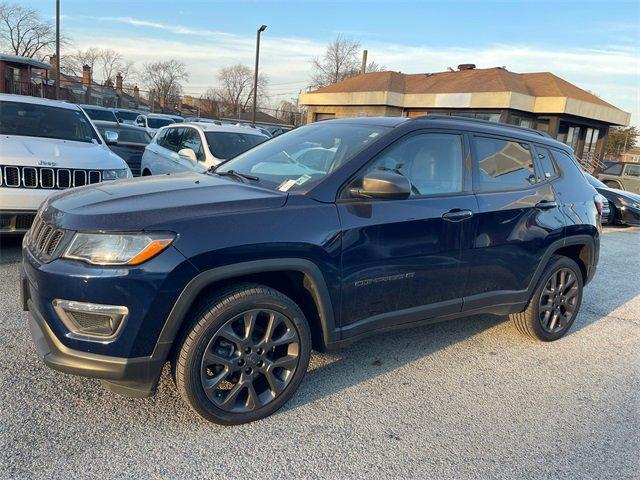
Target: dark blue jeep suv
x=314, y=239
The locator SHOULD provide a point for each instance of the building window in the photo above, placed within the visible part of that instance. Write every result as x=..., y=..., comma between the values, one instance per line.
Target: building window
x=542, y=125
x=591, y=140
x=520, y=121
x=318, y=117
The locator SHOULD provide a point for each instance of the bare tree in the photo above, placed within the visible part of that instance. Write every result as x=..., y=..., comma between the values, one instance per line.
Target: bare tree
x=235, y=89
x=23, y=32
x=72, y=64
x=340, y=61
x=111, y=62
x=165, y=78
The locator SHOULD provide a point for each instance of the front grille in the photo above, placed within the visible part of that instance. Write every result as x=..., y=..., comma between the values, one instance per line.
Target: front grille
x=44, y=239
x=16, y=221
x=47, y=177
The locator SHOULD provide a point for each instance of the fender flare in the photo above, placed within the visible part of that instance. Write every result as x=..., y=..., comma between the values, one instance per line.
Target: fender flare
x=586, y=240
x=319, y=291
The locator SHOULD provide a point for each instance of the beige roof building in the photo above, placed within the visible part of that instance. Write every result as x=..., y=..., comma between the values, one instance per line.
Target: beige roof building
x=538, y=100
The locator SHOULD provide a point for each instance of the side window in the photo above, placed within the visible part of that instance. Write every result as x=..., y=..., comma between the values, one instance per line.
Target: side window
x=431, y=161
x=172, y=139
x=191, y=139
x=615, y=169
x=546, y=162
x=502, y=164
x=632, y=170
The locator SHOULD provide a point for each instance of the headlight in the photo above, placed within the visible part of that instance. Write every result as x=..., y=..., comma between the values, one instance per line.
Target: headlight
x=116, y=174
x=117, y=249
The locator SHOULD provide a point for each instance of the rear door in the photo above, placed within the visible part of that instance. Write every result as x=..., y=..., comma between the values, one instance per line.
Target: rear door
x=402, y=259
x=518, y=219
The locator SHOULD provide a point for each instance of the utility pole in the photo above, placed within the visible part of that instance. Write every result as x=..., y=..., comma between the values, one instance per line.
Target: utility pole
x=255, y=74
x=363, y=68
x=57, y=49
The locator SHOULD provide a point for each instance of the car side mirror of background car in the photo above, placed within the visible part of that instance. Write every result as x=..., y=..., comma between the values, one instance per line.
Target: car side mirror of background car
x=188, y=154
x=110, y=137
x=384, y=185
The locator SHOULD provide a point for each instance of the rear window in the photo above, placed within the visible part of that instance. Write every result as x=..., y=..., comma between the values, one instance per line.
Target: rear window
x=158, y=122
x=225, y=145
x=95, y=114
x=124, y=115
x=30, y=120
x=127, y=135
x=502, y=164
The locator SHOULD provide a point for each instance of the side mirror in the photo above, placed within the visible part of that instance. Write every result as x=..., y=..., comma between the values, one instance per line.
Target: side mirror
x=188, y=154
x=383, y=184
x=110, y=137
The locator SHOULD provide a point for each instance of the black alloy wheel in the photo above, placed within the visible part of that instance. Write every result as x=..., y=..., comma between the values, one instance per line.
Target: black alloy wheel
x=250, y=360
x=244, y=354
x=558, y=301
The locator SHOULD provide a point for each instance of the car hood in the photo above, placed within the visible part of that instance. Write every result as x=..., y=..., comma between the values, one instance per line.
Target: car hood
x=53, y=152
x=148, y=202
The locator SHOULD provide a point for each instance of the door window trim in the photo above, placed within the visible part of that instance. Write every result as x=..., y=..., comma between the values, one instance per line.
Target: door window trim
x=538, y=165
x=466, y=185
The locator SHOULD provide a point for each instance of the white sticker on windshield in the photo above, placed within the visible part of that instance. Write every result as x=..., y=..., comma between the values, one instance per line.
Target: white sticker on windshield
x=286, y=185
x=302, y=179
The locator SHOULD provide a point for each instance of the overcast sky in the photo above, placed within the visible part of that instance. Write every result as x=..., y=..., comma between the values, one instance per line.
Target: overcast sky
x=594, y=44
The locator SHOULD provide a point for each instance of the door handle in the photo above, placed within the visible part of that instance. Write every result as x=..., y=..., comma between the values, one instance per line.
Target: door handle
x=546, y=204
x=457, y=215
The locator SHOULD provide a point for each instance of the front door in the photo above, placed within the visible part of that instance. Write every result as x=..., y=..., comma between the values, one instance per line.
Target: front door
x=402, y=259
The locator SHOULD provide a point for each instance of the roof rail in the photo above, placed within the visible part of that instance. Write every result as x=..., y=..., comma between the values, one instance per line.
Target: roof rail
x=436, y=116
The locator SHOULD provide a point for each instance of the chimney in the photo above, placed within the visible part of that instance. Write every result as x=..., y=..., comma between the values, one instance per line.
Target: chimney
x=119, y=84
x=466, y=66
x=53, y=60
x=86, y=83
x=136, y=94
x=363, y=68
x=86, y=76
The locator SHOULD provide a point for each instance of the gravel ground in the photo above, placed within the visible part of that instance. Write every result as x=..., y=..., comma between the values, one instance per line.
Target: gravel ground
x=465, y=399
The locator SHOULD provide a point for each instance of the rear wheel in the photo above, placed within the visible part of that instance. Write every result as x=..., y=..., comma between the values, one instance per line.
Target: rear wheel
x=555, y=302
x=245, y=355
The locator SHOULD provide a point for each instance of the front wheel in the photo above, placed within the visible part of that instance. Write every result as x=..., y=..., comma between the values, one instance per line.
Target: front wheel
x=555, y=302
x=245, y=355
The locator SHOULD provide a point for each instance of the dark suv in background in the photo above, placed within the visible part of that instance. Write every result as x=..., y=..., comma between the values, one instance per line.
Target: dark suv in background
x=234, y=275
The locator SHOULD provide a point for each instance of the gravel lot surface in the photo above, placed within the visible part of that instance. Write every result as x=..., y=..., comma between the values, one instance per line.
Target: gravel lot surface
x=465, y=399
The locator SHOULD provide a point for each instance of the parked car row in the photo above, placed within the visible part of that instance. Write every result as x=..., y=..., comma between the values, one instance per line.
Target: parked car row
x=623, y=206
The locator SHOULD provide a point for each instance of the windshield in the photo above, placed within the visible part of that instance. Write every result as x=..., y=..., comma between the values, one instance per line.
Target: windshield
x=127, y=135
x=225, y=145
x=30, y=120
x=124, y=115
x=158, y=122
x=301, y=158
x=95, y=114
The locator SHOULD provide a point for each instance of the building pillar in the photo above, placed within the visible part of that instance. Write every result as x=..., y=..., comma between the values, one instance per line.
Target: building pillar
x=554, y=126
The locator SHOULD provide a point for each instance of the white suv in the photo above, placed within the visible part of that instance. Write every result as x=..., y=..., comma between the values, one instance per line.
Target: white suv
x=152, y=122
x=196, y=147
x=47, y=146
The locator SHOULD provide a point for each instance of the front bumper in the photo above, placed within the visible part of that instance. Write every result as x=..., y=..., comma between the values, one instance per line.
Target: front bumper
x=133, y=377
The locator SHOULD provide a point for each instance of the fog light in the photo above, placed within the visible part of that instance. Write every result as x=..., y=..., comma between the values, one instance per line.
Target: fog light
x=91, y=321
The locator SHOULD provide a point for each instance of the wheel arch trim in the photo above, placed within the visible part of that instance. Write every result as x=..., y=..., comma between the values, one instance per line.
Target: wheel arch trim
x=319, y=292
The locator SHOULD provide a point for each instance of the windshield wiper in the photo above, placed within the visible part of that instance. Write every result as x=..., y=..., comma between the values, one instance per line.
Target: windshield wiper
x=233, y=173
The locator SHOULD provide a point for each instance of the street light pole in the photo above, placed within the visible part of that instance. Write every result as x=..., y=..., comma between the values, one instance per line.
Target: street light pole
x=255, y=74
x=57, y=49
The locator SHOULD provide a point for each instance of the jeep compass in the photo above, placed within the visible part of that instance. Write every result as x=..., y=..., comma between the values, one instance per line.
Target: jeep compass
x=311, y=240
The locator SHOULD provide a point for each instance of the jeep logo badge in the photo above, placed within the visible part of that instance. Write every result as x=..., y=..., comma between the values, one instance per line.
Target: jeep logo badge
x=44, y=163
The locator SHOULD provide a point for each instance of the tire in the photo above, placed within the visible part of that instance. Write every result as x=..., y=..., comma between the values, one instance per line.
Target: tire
x=535, y=322
x=273, y=359
x=146, y=173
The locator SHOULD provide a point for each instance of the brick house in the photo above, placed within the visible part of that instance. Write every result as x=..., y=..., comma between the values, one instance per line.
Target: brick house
x=537, y=100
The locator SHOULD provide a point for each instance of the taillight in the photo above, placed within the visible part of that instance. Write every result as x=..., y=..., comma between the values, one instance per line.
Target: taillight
x=599, y=203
